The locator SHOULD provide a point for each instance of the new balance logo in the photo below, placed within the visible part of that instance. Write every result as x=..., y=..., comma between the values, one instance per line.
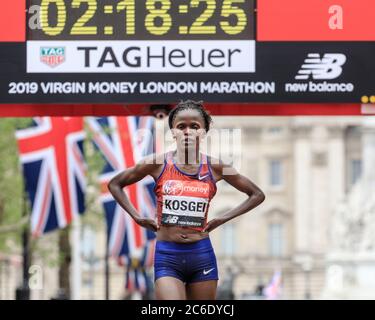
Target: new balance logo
x=205, y=272
x=326, y=68
x=171, y=219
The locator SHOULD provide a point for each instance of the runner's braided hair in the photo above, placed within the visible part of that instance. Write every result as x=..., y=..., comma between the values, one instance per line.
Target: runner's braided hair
x=191, y=105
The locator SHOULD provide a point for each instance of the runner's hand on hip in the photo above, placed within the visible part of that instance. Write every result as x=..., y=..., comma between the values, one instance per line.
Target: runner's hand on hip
x=148, y=224
x=213, y=224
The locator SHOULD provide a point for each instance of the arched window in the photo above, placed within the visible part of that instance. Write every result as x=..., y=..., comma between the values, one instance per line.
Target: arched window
x=228, y=240
x=275, y=239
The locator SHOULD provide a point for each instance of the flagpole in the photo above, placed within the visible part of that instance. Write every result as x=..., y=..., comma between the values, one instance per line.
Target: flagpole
x=76, y=276
x=107, y=270
x=23, y=292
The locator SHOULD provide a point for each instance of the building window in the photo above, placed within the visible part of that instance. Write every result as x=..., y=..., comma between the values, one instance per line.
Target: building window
x=355, y=170
x=275, y=169
x=275, y=239
x=228, y=239
x=275, y=130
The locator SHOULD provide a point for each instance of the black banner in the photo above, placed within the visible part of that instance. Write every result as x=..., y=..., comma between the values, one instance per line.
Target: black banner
x=228, y=309
x=285, y=72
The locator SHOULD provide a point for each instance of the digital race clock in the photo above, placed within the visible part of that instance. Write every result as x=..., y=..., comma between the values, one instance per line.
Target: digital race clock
x=142, y=19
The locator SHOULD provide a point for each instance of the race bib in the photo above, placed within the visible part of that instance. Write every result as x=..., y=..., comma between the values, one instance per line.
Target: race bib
x=185, y=203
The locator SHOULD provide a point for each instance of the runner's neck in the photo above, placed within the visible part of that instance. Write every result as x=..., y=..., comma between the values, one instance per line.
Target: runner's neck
x=186, y=158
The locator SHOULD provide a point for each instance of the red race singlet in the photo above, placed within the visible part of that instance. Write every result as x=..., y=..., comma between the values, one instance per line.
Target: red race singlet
x=183, y=199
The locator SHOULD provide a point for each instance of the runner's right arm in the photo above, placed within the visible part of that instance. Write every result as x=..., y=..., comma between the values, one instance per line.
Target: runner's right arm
x=147, y=166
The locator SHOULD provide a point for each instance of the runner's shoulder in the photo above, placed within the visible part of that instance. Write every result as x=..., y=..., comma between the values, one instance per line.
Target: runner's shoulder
x=152, y=163
x=153, y=159
x=217, y=166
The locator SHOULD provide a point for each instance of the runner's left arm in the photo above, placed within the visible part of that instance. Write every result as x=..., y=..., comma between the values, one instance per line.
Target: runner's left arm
x=241, y=183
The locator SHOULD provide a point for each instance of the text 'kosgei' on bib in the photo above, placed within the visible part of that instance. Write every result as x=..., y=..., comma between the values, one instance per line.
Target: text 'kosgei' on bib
x=185, y=203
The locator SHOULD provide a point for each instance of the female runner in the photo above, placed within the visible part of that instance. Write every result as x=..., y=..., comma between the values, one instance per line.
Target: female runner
x=185, y=263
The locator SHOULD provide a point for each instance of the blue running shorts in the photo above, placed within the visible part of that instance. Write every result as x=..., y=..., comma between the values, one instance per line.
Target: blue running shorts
x=189, y=262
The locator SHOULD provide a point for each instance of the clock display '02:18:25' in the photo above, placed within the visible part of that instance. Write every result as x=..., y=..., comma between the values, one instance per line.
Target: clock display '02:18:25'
x=157, y=18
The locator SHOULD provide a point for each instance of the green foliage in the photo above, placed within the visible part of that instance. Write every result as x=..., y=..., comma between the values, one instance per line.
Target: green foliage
x=11, y=181
x=94, y=215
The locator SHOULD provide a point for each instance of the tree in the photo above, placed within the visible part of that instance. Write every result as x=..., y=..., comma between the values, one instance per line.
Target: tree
x=11, y=185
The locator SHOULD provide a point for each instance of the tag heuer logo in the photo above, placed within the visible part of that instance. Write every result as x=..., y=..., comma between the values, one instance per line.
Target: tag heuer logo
x=52, y=56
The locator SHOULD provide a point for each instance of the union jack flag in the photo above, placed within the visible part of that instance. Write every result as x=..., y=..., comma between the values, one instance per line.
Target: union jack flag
x=51, y=154
x=137, y=276
x=273, y=290
x=137, y=279
x=123, y=141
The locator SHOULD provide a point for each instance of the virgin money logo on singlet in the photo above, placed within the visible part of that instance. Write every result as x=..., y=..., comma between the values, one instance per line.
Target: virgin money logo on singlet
x=194, y=188
x=173, y=187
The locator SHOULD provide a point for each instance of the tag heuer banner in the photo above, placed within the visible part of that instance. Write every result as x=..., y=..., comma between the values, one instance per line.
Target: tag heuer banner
x=164, y=71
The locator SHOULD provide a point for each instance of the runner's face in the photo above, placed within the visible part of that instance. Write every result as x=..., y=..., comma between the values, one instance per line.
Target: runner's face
x=188, y=129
